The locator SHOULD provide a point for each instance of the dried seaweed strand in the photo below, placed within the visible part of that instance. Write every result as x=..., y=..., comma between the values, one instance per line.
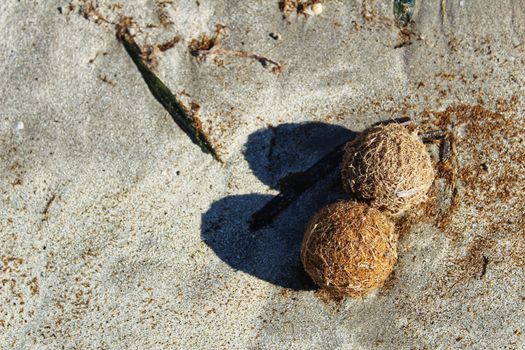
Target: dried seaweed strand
x=163, y=94
x=243, y=54
x=48, y=205
x=404, y=11
x=402, y=120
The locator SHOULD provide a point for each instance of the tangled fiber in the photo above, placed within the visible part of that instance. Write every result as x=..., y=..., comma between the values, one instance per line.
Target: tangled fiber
x=349, y=249
x=388, y=167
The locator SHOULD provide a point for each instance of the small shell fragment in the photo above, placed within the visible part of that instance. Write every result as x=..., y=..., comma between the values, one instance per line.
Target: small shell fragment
x=407, y=193
x=317, y=9
x=19, y=125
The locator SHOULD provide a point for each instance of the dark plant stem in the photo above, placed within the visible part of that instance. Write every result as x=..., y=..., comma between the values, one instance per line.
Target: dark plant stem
x=165, y=97
x=404, y=11
x=294, y=185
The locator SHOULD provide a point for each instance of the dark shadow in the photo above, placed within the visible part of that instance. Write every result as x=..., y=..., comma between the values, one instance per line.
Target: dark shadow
x=275, y=152
x=273, y=253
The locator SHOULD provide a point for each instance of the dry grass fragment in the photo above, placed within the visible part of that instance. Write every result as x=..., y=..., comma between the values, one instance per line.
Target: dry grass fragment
x=301, y=7
x=207, y=46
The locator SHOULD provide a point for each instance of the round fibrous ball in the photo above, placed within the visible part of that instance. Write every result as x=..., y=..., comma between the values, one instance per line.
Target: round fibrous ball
x=349, y=249
x=388, y=167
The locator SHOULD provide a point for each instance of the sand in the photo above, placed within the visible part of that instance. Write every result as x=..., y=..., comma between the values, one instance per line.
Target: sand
x=117, y=232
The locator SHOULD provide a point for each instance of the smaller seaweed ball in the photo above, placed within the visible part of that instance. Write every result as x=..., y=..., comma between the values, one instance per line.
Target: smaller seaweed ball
x=349, y=249
x=388, y=167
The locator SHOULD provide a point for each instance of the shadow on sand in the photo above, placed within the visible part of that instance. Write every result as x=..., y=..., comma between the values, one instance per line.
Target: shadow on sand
x=273, y=253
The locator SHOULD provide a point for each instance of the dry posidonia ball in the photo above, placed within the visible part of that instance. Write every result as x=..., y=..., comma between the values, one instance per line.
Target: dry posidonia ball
x=388, y=167
x=349, y=249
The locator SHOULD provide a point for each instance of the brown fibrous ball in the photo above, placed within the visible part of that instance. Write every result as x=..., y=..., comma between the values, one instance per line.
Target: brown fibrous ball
x=388, y=167
x=349, y=249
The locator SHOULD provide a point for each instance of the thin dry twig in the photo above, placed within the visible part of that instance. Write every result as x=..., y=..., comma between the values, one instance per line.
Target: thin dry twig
x=265, y=61
x=106, y=80
x=91, y=11
x=48, y=205
x=207, y=46
x=99, y=53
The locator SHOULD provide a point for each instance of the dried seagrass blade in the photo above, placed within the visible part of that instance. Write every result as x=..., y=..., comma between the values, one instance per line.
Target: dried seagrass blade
x=404, y=11
x=165, y=97
x=402, y=121
x=294, y=185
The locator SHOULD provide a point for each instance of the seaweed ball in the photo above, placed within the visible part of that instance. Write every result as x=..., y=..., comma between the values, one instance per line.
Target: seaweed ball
x=388, y=167
x=349, y=249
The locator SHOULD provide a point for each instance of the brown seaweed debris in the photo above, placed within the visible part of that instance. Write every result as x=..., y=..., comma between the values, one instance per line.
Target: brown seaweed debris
x=205, y=42
x=90, y=11
x=474, y=263
x=162, y=14
x=206, y=46
x=492, y=153
x=150, y=53
x=349, y=249
x=306, y=8
x=480, y=203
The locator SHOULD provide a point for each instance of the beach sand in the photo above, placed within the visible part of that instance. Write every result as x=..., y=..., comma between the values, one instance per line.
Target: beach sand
x=117, y=232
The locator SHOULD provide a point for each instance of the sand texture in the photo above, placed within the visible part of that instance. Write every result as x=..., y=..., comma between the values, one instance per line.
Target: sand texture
x=118, y=232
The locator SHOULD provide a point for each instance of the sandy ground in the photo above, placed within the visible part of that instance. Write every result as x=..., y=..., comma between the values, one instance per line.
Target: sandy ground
x=117, y=232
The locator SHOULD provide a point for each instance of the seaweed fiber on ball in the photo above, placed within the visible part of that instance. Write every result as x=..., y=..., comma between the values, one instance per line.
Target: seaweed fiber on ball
x=349, y=249
x=388, y=167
